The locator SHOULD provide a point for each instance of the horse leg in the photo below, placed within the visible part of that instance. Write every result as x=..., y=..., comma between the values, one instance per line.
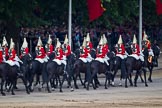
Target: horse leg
x=2, y=83
x=126, y=86
x=130, y=80
x=12, y=87
x=136, y=77
x=150, y=69
x=75, y=81
x=113, y=77
x=106, y=79
x=145, y=77
x=140, y=74
x=60, y=83
x=69, y=83
x=25, y=83
x=37, y=80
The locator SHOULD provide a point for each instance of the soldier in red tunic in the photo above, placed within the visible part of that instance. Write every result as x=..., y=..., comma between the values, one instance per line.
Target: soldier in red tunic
x=106, y=49
x=136, y=50
x=24, y=49
x=1, y=55
x=13, y=59
x=120, y=49
x=66, y=47
x=5, y=49
x=83, y=52
x=59, y=55
x=89, y=47
x=121, y=52
x=147, y=44
x=40, y=52
x=49, y=47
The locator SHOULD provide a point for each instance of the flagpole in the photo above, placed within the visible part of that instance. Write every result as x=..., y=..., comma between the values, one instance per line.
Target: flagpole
x=140, y=24
x=70, y=23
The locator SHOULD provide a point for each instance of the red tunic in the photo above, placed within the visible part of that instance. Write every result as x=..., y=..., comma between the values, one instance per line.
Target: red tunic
x=148, y=44
x=84, y=53
x=100, y=54
x=50, y=50
x=120, y=49
x=41, y=53
x=67, y=51
x=136, y=50
x=12, y=55
x=106, y=48
x=89, y=46
x=1, y=56
x=59, y=54
x=24, y=52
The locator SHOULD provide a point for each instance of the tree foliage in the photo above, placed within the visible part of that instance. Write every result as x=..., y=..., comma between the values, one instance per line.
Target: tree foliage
x=29, y=13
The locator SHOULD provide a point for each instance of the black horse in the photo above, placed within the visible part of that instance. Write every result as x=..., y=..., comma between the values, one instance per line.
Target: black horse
x=133, y=64
x=9, y=74
x=55, y=71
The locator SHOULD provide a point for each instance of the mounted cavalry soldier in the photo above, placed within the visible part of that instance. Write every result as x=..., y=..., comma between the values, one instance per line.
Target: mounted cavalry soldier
x=147, y=44
x=136, y=50
x=12, y=55
x=49, y=47
x=66, y=48
x=24, y=49
x=59, y=55
x=40, y=52
x=121, y=53
x=5, y=49
x=106, y=48
x=100, y=52
x=84, y=52
x=89, y=47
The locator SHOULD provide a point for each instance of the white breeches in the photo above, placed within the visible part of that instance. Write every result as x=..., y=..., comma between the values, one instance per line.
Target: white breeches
x=105, y=60
x=151, y=52
x=100, y=59
x=64, y=62
x=40, y=60
x=17, y=59
x=89, y=58
x=135, y=56
x=57, y=61
x=121, y=56
x=83, y=59
x=12, y=63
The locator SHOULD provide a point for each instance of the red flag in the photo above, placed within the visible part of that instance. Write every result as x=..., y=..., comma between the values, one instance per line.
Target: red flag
x=95, y=9
x=159, y=7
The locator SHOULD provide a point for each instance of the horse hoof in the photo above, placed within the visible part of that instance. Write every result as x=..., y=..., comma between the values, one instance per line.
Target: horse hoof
x=61, y=91
x=76, y=87
x=135, y=85
x=150, y=80
x=13, y=93
x=112, y=83
x=53, y=89
x=120, y=84
x=28, y=92
x=3, y=94
x=146, y=85
x=49, y=91
x=126, y=86
x=72, y=89
x=105, y=87
x=39, y=89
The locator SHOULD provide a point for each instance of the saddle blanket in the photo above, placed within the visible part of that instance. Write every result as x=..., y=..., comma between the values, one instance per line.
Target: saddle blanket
x=57, y=61
x=83, y=59
x=100, y=60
